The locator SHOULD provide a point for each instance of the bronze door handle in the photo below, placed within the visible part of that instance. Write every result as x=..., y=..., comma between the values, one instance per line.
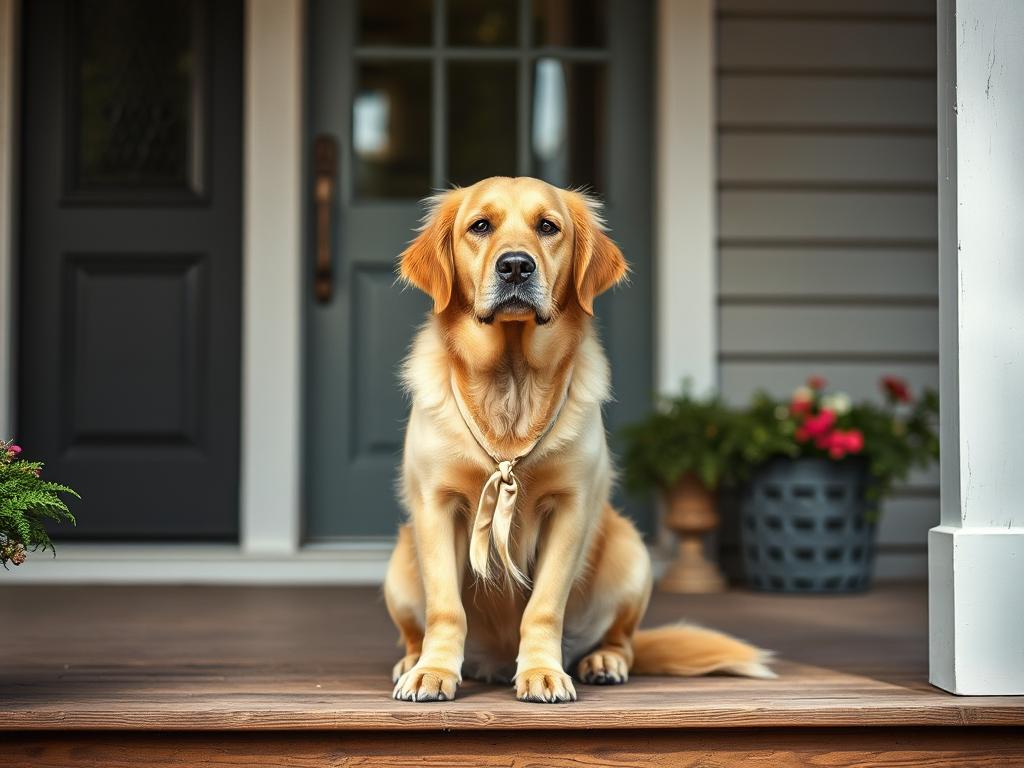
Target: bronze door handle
x=325, y=172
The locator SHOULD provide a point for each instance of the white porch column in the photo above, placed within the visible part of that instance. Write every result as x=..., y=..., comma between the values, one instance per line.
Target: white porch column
x=976, y=556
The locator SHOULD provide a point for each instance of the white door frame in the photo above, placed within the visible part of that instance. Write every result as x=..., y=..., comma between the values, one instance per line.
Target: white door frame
x=270, y=547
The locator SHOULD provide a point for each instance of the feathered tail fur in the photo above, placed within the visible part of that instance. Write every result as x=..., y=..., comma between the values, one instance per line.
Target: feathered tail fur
x=687, y=650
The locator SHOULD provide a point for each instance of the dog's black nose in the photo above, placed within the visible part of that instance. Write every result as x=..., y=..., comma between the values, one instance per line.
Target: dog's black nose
x=515, y=267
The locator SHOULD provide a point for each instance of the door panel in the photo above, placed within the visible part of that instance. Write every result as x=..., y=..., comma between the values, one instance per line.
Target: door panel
x=422, y=95
x=129, y=296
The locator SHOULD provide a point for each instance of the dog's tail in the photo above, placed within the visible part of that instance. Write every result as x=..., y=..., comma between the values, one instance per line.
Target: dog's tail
x=687, y=650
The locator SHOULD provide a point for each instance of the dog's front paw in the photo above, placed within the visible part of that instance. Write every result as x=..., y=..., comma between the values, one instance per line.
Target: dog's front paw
x=603, y=668
x=550, y=686
x=404, y=665
x=423, y=683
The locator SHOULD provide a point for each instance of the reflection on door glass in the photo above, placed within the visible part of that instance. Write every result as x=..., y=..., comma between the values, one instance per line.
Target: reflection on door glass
x=481, y=120
x=568, y=127
x=482, y=22
x=135, y=70
x=391, y=130
x=409, y=22
x=570, y=23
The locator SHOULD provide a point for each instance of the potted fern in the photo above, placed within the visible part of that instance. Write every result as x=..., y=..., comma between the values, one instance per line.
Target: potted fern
x=685, y=450
x=27, y=502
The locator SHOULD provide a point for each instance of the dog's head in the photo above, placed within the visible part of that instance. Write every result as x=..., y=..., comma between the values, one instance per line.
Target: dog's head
x=513, y=249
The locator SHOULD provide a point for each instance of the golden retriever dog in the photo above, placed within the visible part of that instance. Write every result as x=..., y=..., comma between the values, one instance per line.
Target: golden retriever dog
x=514, y=566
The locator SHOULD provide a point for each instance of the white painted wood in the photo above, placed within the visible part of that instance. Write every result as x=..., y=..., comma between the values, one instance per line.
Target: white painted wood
x=272, y=282
x=9, y=48
x=826, y=102
x=800, y=215
x=976, y=557
x=685, y=259
x=357, y=562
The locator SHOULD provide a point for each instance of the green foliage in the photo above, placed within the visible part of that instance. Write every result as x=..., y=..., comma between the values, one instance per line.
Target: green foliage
x=685, y=435
x=723, y=445
x=898, y=436
x=26, y=503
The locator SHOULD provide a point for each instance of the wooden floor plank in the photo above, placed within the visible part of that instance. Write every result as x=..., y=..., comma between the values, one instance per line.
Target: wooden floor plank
x=847, y=748
x=262, y=659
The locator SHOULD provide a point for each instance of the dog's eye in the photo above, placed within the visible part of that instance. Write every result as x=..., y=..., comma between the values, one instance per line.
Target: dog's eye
x=480, y=226
x=546, y=227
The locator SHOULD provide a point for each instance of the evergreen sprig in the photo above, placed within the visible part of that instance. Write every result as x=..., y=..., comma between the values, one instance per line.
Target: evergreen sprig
x=26, y=503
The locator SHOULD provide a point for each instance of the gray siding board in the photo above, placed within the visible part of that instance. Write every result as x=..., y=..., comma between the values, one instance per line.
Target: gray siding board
x=894, y=9
x=827, y=213
x=828, y=329
x=798, y=102
x=825, y=45
x=739, y=380
x=831, y=159
x=821, y=271
x=827, y=216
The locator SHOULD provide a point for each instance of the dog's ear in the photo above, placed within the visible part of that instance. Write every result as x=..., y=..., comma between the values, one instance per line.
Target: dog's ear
x=598, y=264
x=429, y=261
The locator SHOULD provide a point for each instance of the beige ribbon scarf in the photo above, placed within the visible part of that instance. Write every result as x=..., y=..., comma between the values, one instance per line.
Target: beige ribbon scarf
x=494, y=512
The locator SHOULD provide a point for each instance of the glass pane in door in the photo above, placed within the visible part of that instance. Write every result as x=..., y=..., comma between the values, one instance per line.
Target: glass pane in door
x=482, y=22
x=391, y=130
x=569, y=23
x=136, y=107
x=481, y=120
x=409, y=22
x=568, y=129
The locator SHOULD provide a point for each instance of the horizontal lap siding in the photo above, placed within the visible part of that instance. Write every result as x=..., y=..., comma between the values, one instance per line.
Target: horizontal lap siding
x=827, y=212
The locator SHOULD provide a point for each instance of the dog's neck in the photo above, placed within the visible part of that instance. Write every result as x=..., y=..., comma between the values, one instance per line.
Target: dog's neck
x=512, y=377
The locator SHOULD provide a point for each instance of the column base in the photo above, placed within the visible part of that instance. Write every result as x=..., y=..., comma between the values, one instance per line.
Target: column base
x=976, y=610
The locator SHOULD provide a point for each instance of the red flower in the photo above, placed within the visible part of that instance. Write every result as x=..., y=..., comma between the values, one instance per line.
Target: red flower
x=800, y=407
x=896, y=389
x=817, y=383
x=821, y=424
x=842, y=442
x=801, y=435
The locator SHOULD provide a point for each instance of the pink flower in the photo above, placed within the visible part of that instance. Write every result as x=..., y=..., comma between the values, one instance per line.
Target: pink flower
x=821, y=424
x=841, y=442
x=896, y=389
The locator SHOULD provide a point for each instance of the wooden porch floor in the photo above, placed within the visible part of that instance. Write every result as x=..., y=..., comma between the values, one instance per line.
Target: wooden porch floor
x=224, y=659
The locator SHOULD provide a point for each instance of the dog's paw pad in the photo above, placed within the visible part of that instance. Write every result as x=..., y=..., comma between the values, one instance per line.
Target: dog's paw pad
x=548, y=686
x=603, y=668
x=426, y=684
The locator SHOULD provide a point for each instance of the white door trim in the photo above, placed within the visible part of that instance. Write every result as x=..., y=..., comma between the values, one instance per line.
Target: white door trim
x=271, y=440
x=686, y=324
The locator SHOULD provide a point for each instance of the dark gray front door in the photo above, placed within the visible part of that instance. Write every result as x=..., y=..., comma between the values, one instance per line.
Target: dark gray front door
x=130, y=258
x=427, y=93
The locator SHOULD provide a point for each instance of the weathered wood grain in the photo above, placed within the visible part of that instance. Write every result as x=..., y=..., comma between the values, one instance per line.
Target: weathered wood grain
x=859, y=748
x=144, y=658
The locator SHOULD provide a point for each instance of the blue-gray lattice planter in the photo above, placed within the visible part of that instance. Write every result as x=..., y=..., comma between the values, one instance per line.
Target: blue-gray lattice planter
x=804, y=527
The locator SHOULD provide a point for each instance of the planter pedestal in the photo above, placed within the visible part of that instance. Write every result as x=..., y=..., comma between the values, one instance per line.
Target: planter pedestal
x=691, y=515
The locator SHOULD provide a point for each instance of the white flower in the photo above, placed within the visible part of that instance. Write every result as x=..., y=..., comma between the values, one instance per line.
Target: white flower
x=838, y=402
